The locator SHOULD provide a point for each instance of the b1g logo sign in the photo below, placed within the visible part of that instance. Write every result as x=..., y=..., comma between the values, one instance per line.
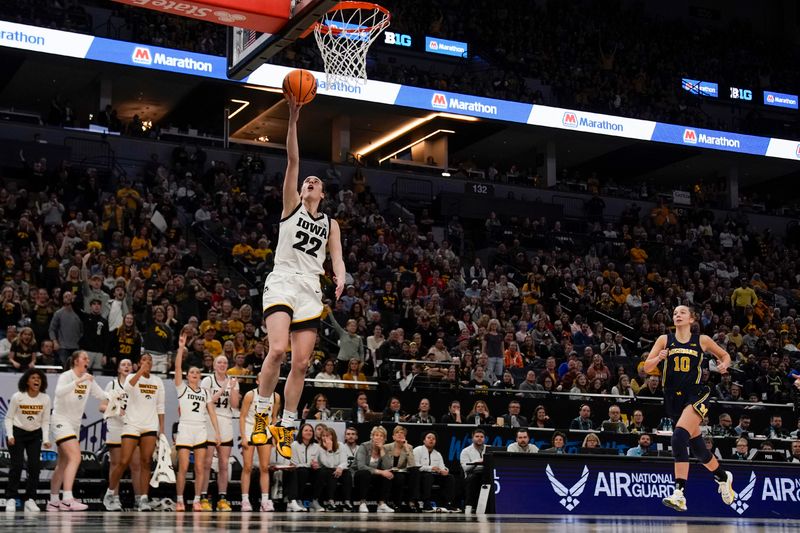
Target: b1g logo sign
x=397, y=39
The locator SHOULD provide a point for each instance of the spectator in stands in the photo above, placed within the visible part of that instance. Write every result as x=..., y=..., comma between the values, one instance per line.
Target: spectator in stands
x=775, y=429
x=642, y=447
x=743, y=428
x=598, y=369
x=580, y=385
x=591, y=441
x=351, y=345
x=319, y=408
x=724, y=428
x=614, y=422
x=328, y=372
x=305, y=457
x=637, y=424
x=558, y=443
x=530, y=387
x=540, y=418
x=479, y=384
x=95, y=337
x=361, y=411
x=125, y=343
x=453, y=415
x=523, y=443
x=432, y=469
x=23, y=350
x=471, y=460
x=652, y=389
x=394, y=411
x=623, y=388
x=374, y=471
x=47, y=356
x=479, y=415
x=583, y=420
x=424, y=415
x=742, y=451
x=795, y=456
x=492, y=346
x=354, y=373
x=5, y=342
x=505, y=384
x=512, y=418
x=66, y=329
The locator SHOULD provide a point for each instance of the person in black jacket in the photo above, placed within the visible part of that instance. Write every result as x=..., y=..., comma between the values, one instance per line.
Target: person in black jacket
x=95, y=334
x=157, y=337
x=125, y=342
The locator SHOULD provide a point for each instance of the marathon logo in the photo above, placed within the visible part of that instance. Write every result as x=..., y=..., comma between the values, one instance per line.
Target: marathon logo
x=20, y=37
x=571, y=120
x=339, y=87
x=440, y=101
x=690, y=136
x=143, y=56
x=780, y=99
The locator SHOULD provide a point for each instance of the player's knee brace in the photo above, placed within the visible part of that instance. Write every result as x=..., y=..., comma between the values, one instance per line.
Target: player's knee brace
x=680, y=445
x=699, y=449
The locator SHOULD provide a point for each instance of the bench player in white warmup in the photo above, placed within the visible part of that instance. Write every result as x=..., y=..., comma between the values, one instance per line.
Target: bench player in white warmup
x=292, y=297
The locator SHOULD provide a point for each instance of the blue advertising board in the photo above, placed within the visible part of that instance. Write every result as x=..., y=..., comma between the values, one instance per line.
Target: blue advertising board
x=703, y=138
x=704, y=88
x=606, y=486
x=436, y=45
x=780, y=99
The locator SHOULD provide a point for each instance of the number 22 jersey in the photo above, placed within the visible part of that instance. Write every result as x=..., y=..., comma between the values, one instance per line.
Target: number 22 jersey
x=302, y=242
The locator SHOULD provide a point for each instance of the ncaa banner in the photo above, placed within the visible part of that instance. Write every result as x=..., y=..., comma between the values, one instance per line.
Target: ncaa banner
x=633, y=486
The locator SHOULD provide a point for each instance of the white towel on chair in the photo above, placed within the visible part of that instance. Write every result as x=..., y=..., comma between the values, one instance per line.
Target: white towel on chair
x=163, y=472
x=114, y=407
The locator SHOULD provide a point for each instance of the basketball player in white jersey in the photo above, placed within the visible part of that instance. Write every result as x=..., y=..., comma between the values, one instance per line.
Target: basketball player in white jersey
x=246, y=421
x=194, y=409
x=114, y=425
x=144, y=422
x=224, y=393
x=72, y=392
x=292, y=296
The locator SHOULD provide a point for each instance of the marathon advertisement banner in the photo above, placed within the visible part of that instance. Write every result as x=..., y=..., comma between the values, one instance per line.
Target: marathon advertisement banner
x=585, y=485
x=34, y=38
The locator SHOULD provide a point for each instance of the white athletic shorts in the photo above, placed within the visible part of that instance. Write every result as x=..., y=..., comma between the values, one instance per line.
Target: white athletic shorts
x=191, y=435
x=63, y=430
x=225, y=431
x=130, y=431
x=114, y=427
x=299, y=295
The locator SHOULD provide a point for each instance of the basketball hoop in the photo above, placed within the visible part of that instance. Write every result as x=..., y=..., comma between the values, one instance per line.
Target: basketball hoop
x=345, y=34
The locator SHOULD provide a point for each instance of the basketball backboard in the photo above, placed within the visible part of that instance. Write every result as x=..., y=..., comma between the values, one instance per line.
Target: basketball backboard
x=248, y=49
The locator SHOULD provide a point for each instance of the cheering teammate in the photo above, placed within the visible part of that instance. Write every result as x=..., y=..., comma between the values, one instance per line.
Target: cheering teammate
x=72, y=392
x=193, y=403
x=681, y=354
x=144, y=421
x=292, y=297
x=114, y=425
x=27, y=423
x=224, y=393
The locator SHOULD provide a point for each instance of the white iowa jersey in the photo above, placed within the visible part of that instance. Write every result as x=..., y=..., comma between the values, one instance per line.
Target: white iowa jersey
x=223, y=405
x=302, y=242
x=192, y=404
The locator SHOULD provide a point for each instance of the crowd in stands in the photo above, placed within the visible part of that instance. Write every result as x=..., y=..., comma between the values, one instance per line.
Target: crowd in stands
x=606, y=67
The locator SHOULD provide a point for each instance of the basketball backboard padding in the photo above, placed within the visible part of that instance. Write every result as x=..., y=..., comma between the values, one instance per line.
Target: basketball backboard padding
x=266, y=45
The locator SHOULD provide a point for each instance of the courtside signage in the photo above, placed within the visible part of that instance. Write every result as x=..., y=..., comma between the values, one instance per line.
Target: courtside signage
x=62, y=43
x=602, y=486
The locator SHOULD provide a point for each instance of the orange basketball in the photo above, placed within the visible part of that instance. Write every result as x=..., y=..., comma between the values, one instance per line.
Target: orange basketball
x=301, y=84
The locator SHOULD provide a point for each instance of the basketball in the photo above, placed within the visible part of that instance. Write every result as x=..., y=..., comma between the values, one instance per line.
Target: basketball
x=301, y=84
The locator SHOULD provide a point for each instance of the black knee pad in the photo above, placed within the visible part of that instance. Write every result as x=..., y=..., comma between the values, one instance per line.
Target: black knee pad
x=680, y=445
x=699, y=450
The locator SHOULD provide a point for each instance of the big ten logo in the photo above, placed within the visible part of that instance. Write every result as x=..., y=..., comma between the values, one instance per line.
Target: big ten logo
x=741, y=94
x=396, y=39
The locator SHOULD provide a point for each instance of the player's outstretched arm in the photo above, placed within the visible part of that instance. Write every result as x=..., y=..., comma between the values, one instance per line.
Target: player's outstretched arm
x=724, y=358
x=290, y=195
x=335, y=249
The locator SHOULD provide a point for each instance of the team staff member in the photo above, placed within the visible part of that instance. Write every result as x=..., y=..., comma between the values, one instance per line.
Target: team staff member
x=27, y=424
x=114, y=425
x=193, y=404
x=72, y=391
x=224, y=393
x=144, y=421
x=681, y=357
x=431, y=467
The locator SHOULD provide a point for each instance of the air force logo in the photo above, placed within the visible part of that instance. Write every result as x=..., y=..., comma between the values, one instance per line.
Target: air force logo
x=740, y=505
x=569, y=496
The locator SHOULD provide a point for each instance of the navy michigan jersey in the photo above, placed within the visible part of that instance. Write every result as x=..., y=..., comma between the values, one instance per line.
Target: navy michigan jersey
x=683, y=365
x=302, y=242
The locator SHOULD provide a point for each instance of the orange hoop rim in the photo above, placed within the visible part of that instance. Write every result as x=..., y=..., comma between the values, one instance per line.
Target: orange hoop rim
x=324, y=28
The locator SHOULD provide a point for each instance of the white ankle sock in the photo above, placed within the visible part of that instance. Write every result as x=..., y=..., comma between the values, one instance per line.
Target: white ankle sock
x=67, y=495
x=288, y=419
x=180, y=499
x=54, y=498
x=245, y=498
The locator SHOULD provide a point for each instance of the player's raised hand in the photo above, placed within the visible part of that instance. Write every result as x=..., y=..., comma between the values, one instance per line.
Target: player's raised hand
x=294, y=107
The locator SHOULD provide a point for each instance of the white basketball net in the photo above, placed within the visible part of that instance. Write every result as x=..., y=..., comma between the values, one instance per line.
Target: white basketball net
x=344, y=35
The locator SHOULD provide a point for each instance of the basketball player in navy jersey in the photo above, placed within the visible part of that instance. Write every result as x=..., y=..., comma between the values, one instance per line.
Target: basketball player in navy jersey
x=292, y=297
x=681, y=354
